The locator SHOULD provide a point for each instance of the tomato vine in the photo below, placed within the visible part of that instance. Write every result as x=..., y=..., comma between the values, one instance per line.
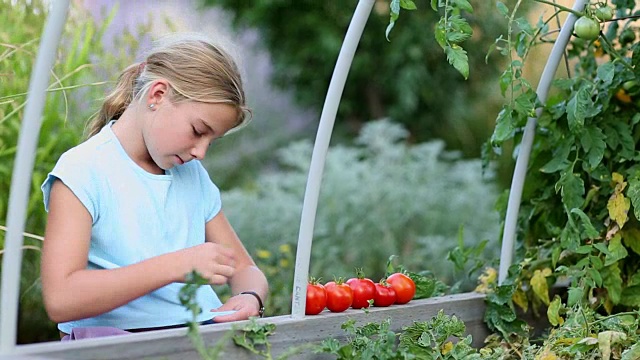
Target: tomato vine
x=578, y=227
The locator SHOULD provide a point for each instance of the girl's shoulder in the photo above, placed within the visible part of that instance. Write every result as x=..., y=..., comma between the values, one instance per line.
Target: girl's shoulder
x=86, y=152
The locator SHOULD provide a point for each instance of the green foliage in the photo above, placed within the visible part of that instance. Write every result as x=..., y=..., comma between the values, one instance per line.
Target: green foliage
x=578, y=226
x=74, y=80
x=406, y=78
x=442, y=337
x=451, y=30
x=380, y=196
x=254, y=337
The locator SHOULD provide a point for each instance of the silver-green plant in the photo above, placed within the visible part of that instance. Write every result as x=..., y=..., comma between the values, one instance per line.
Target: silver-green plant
x=380, y=196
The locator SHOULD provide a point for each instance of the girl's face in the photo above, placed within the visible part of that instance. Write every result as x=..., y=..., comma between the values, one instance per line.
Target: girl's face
x=177, y=133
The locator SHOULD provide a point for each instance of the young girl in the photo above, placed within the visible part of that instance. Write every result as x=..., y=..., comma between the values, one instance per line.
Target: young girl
x=132, y=210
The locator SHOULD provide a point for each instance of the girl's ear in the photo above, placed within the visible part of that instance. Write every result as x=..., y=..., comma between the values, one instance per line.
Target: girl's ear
x=158, y=92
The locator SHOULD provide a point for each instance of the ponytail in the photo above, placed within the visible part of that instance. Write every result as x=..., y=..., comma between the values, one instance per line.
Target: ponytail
x=117, y=101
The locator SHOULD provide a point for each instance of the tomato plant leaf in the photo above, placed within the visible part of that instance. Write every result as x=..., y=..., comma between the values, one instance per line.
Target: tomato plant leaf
x=608, y=338
x=457, y=57
x=596, y=262
x=440, y=34
x=553, y=312
x=539, y=284
x=520, y=299
x=463, y=5
x=631, y=239
x=589, y=229
x=571, y=189
x=595, y=276
x=525, y=103
x=618, y=207
x=631, y=296
x=634, y=195
x=574, y=296
x=394, y=13
x=612, y=281
x=617, y=251
x=505, y=80
x=606, y=72
x=579, y=106
x=631, y=353
x=627, y=142
x=502, y=9
x=560, y=159
x=504, y=126
x=593, y=143
x=408, y=4
x=524, y=26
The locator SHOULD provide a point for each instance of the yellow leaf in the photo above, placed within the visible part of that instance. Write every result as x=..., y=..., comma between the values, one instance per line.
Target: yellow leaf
x=487, y=278
x=539, y=284
x=608, y=306
x=617, y=178
x=547, y=355
x=553, y=312
x=608, y=338
x=520, y=298
x=446, y=347
x=618, y=207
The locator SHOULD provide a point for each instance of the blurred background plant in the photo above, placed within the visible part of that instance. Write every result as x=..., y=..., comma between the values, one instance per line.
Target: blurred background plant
x=407, y=78
x=381, y=195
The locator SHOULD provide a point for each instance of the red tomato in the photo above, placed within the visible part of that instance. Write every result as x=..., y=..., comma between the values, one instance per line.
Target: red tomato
x=339, y=296
x=385, y=295
x=363, y=290
x=403, y=285
x=316, y=298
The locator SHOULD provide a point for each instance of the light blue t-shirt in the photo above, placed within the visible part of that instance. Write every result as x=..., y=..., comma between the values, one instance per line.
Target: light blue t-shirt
x=138, y=215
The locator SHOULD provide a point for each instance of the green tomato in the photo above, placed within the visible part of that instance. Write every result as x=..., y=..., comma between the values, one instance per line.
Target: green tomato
x=587, y=28
x=604, y=13
x=628, y=85
x=627, y=36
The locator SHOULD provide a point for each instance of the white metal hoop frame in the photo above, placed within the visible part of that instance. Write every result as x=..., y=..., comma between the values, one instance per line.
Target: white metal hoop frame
x=522, y=162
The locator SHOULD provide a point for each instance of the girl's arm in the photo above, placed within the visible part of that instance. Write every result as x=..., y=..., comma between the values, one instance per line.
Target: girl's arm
x=247, y=276
x=73, y=292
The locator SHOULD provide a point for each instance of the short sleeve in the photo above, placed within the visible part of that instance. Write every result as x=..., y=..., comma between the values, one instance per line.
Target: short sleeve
x=211, y=194
x=77, y=177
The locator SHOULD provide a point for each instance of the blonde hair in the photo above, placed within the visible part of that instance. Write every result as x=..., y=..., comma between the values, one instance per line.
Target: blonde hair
x=196, y=70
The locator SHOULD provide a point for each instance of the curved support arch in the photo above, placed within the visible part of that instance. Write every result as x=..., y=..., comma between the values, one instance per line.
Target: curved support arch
x=22, y=171
x=320, y=148
x=519, y=173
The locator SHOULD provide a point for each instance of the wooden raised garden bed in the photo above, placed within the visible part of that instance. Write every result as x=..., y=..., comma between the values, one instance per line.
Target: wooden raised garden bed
x=174, y=343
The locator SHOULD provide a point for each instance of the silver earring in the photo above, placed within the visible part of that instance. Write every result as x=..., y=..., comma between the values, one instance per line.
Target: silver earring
x=151, y=106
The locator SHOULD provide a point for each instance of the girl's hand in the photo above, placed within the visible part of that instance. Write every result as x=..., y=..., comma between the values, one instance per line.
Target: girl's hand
x=245, y=305
x=213, y=261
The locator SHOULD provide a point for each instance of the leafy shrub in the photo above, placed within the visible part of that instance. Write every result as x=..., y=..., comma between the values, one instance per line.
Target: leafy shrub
x=380, y=196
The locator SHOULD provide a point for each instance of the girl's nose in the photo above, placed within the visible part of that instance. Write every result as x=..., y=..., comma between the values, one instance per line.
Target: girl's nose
x=200, y=150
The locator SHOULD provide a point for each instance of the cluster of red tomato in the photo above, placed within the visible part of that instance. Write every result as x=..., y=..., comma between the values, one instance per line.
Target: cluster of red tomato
x=358, y=292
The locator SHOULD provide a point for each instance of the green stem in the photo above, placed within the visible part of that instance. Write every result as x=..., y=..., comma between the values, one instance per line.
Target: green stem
x=615, y=315
x=615, y=54
x=510, y=52
x=586, y=323
x=576, y=13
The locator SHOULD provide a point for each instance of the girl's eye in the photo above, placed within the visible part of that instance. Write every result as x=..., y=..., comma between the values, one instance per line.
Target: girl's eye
x=196, y=132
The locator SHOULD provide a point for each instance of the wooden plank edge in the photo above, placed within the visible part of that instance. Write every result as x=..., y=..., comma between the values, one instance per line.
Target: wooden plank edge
x=174, y=344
